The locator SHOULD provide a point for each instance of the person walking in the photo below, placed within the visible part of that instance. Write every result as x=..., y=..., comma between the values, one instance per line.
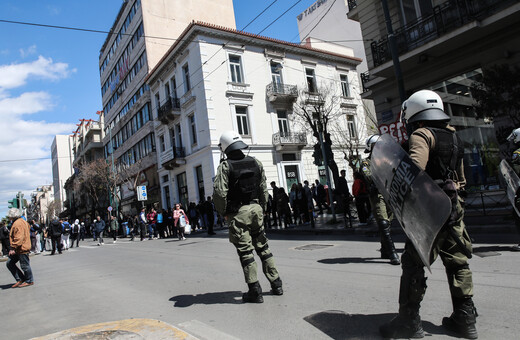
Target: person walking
x=19, y=248
x=240, y=195
x=381, y=211
x=436, y=149
x=4, y=238
x=65, y=237
x=210, y=212
x=99, y=227
x=360, y=192
x=114, y=228
x=321, y=197
x=56, y=229
x=74, y=233
x=143, y=223
x=180, y=219
x=343, y=197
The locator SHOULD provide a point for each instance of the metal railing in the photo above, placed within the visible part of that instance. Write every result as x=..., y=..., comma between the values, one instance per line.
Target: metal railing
x=282, y=89
x=288, y=138
x=352, y=4
x=445, y=18
x=489, y=202
x=365, y=77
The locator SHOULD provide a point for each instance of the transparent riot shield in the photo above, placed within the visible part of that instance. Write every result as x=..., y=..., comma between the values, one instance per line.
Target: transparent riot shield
x=419, y=204
x=512, y=184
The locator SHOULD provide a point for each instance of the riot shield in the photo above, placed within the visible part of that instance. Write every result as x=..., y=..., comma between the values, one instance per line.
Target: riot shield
x=419, y=204
x=512, y=183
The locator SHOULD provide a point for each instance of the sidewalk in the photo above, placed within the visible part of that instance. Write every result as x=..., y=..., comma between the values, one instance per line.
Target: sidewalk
x=502, y=223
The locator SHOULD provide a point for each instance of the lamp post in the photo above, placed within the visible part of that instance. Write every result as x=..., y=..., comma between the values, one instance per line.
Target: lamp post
x=317, y=119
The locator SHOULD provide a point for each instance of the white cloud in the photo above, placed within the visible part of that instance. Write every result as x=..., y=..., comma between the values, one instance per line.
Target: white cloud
x=16, y=75
x=24, y=53
x=23, y=139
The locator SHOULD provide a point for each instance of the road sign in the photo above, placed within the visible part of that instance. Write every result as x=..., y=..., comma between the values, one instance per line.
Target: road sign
x=141, y=193
x=109, y=208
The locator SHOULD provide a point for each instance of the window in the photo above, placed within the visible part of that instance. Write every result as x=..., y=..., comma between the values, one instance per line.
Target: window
x=276, y=74
x=157, y=103
x=236, y=69
x=344, y=85
x=182, y=187
x=200, y=182
x=283, y=123
x=161, y=143
x=167, y=90
x=351, y=126
x=311, y=80
x=172, y=138
x=414, y=9
x=166, y=193
x=174, y=88
x=179, y=136
x=165, y=179
x=186, y=72
x=193, y=129
x=242, y=123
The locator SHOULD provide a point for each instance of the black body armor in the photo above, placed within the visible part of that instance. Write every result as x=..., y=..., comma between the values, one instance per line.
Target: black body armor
x=244, y=182
x=445, y=159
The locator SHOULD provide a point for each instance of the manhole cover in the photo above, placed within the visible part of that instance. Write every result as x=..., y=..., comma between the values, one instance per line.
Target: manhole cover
x=313, y=246
x=486, y=253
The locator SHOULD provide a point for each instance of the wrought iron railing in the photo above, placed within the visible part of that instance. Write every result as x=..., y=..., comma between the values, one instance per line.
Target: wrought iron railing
x=445, y=18
x=352, y=4
x=365, y=77
x=179, y=152
x=299, y=138
x=282, y=89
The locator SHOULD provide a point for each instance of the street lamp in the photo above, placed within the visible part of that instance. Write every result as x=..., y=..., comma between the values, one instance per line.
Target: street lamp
x=316, y=116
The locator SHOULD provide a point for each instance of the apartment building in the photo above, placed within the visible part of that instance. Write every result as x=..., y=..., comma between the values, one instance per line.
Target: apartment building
x=443, y=46
x=215, y=79
x=87, y=140
x=142, y=32
x=61, y=157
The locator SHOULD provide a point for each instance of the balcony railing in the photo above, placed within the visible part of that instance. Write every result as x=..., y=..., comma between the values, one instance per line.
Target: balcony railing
x=365, y=77
x=281, y=93
x=352, y=4
x=173, y=157
x=289, y=138
x=168, y=110
x=445, y=18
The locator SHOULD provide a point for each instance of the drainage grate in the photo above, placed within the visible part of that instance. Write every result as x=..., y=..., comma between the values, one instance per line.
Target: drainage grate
x=314, y=246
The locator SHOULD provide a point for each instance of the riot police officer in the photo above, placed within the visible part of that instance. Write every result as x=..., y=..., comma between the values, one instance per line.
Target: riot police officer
x=240, y=195
x=514, y=138
x=435, y=148
x=380, y=210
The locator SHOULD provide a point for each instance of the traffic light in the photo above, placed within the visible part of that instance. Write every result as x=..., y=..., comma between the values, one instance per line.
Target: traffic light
x=318, y=157
x=13, y=203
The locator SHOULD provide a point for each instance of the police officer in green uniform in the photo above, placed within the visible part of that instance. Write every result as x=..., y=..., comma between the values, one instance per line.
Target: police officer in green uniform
x=514, y=137
x=380, y=210
x=240, y=195
x=435, y=148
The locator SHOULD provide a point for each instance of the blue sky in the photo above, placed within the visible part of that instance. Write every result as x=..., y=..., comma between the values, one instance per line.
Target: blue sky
x=49, y=77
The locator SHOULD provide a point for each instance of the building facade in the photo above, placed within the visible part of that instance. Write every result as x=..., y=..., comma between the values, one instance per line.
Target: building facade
x=61, y=156
x=443, y=46
x=215, y=79
x=141, y=34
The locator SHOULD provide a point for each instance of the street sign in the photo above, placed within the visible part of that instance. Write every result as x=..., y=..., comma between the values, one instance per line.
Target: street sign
x=141, y=193
x=110, y=208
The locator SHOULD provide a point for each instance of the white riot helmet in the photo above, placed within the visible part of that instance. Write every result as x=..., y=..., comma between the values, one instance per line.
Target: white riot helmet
x=514, y=136
x=423, y=105
x=231, y=141
x=370, y=142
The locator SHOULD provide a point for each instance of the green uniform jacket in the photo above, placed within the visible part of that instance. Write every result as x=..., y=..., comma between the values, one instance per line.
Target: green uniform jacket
x=221, y=188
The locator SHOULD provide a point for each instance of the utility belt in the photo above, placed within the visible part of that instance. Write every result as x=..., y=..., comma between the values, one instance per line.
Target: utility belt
x=234, y=206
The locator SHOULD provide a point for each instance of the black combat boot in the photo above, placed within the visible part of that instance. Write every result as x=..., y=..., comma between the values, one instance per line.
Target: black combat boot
x=406, y=325
x=463, y=319
x=387, y=244
x=254, y=294
x=276, y=287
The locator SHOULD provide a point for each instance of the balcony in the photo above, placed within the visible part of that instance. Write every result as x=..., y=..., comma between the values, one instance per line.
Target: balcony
x=172, y=158
x=282, y=93
x=446, y=18
x=169, y=110
x=352, y=4
x=289, y=140
x=187, y=98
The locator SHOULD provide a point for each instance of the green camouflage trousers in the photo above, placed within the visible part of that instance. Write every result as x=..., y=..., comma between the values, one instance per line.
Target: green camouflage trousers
x=246, y=232
x=453, y=246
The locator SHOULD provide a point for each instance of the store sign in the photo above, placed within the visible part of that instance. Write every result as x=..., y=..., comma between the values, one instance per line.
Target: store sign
x=141, y=193
x=311, y=9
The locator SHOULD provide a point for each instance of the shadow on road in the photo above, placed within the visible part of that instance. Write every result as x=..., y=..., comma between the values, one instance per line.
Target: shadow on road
x=232, y=297
x=2, y=287
x=341, y=326
x=346, y=260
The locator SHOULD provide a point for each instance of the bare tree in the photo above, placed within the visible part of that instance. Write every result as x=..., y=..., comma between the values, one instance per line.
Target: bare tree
x=94, y=181
x=53, y=208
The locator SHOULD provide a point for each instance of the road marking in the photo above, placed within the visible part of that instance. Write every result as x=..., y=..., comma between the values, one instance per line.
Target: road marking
x=123, y=329
x=205, y=331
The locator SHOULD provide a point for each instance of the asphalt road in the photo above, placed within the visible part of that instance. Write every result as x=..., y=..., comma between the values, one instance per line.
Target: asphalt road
x=336, y=287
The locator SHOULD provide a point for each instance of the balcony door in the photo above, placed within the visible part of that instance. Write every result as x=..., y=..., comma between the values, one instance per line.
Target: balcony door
x=415, y=9
x=283, y=123
x=276, y=76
